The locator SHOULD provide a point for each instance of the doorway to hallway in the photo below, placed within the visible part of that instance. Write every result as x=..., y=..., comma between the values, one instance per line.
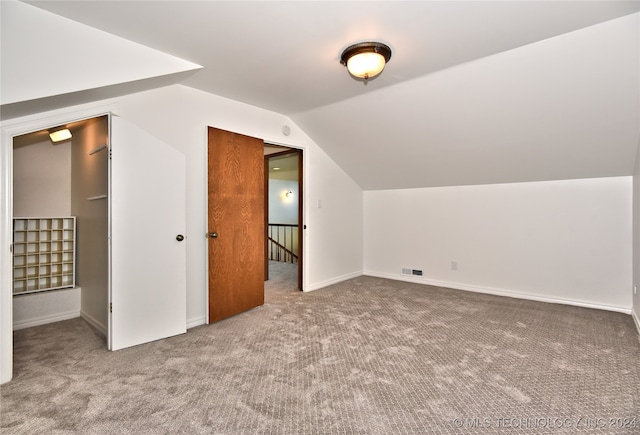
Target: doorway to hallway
x=283, y=206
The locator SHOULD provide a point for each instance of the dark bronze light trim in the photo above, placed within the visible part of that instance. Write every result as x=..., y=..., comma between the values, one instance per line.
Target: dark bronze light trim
x=366, y=47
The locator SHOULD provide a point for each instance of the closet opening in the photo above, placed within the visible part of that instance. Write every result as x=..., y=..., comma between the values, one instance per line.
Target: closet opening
x=60, y=261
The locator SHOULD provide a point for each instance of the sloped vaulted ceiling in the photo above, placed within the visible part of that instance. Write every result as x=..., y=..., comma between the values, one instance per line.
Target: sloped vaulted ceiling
x=46, y=55
x=476, y=92
x=562, y=108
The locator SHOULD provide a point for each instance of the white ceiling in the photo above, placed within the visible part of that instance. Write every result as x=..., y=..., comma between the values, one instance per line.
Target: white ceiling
x=475, y=92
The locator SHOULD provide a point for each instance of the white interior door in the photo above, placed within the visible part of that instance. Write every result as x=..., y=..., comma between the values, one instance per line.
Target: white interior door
x=147, y=217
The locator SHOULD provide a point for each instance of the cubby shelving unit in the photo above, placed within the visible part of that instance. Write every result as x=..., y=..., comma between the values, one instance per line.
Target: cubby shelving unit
x=44, y=252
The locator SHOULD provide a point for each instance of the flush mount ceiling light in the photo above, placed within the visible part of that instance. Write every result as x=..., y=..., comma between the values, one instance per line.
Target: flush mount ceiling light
x=366, y=60
x=60, y=135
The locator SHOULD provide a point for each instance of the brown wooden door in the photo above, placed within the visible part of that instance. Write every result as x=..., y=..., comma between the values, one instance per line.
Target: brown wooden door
x=236, y=223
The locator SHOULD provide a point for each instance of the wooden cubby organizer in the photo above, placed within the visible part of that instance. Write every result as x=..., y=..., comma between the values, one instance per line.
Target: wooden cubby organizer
x=44, y=253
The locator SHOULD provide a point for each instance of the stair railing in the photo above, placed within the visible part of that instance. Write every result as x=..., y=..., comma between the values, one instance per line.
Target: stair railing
x=283, y=242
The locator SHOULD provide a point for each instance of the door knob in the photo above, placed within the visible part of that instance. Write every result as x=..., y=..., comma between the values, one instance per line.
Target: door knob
x=179, y=237
x=213, y=235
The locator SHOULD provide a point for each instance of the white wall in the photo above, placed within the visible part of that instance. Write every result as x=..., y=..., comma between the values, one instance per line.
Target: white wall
x=562, y=241
x=90, y=179
x=42, y=187
x=42, y=179
x=46, y=307
x=283, y=209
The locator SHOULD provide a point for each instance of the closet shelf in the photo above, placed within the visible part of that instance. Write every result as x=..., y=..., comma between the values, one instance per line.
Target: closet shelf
x=95, y=198
x=97, y=149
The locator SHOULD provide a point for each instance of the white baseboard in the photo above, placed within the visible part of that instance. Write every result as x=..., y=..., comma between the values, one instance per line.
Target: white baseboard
x=196, y=321
x=37, y=321
x=636, y=320
x=332, y=281
x=500, y=292
x=94, y=322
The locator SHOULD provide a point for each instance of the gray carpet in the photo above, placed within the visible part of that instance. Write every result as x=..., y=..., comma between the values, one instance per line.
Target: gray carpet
x=366, y=356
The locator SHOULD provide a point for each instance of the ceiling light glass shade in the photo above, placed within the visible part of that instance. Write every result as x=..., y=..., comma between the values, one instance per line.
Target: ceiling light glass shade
x=366, y=65
x=60, y=135
x=366, y=60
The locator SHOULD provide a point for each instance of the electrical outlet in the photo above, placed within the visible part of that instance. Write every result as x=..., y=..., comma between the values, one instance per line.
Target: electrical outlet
x=454, y=265
x=635, y=290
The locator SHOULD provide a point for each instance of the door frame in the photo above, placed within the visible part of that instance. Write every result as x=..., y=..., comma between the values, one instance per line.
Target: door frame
x=8, y=130
x=300, y=153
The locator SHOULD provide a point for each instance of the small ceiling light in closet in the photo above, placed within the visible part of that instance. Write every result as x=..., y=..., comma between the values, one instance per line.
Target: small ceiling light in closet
x=60, y=135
